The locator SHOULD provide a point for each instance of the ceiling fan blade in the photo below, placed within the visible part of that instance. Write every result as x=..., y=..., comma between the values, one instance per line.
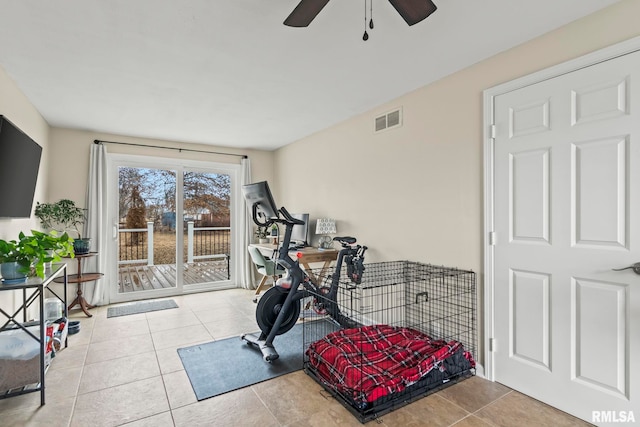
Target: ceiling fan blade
x=305, y=12
x=414, y=11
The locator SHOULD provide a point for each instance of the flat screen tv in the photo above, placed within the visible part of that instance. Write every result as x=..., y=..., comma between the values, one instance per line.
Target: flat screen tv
x=19, y=164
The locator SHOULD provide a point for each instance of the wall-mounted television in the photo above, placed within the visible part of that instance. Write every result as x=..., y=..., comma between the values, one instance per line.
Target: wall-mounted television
x=19, y=164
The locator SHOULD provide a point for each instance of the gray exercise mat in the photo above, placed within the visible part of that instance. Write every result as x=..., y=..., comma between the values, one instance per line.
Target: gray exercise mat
x=140, y=307
x=221, y=366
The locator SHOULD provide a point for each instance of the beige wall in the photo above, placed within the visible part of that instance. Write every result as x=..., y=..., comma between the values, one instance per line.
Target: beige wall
x=71, y=148
x=416, y=192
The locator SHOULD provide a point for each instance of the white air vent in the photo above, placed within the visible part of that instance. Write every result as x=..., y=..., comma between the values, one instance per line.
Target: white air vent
x=388, y=120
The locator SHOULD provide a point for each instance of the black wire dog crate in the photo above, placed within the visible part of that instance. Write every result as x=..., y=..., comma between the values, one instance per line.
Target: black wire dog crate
x=407, y=330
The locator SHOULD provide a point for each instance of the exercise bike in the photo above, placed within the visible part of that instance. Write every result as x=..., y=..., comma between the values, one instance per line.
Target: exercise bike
x=279, y=307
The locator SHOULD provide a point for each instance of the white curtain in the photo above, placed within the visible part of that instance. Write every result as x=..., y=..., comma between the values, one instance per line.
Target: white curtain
x=97, y=228
x=247, y=280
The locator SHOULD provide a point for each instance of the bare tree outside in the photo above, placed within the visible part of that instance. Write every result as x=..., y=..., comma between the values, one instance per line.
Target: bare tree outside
x=149, y=195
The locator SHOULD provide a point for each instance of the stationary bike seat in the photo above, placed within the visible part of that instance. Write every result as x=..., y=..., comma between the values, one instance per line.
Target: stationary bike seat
x=347, y=239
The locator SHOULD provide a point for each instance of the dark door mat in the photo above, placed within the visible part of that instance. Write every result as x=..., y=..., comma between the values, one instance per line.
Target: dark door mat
x=140, y=307
x=221, y=366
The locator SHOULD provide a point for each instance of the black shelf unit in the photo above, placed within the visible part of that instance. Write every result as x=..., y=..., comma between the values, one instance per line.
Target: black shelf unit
x=32, y=292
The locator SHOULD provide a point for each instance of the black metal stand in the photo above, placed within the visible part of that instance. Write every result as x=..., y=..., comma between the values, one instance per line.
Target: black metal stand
x=58, y=270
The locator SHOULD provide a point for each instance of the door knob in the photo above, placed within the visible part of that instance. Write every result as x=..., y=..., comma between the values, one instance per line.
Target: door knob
x=635, y=267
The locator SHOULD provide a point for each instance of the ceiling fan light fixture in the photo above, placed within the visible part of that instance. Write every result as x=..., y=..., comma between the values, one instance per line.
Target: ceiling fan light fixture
x=412, y=11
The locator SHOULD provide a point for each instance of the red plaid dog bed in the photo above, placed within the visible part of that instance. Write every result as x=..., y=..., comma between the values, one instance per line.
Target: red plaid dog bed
x=374, y=361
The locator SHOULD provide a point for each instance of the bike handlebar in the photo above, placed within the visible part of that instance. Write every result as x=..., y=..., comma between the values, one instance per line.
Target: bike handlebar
x=288, y=219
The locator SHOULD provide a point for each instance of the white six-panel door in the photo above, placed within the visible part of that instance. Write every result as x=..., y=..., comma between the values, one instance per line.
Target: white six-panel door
x=566, y=212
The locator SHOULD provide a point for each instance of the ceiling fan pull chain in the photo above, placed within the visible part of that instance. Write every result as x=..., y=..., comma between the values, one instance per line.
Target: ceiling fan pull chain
x=365, y=36
x=370, y=13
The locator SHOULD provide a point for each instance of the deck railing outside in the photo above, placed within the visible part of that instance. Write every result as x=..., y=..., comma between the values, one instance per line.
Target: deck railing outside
x=202, y=243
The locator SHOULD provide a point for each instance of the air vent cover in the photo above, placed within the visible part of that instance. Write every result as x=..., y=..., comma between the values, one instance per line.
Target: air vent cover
x=389, y=120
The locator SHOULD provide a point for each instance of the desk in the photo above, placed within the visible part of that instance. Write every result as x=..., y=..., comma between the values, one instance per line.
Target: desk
x=310, y=255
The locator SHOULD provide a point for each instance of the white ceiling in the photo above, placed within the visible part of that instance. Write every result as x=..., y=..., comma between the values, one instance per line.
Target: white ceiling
x=228, y=73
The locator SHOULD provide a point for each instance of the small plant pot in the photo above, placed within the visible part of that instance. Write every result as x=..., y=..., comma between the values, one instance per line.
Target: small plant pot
x=11, y=273
x=81, y=246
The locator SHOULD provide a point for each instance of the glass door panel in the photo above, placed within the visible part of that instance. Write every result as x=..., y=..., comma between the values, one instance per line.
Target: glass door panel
x=207, y=225
x=147, y=231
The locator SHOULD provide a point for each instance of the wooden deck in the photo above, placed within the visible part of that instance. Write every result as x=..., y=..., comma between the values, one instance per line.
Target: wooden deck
x=134, y=278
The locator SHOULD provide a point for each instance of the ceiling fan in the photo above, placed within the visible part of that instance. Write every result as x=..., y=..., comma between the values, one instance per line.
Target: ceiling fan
x=412, y=11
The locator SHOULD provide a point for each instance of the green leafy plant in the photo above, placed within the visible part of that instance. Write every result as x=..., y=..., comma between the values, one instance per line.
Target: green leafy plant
x=63, y=215
x=11, y=251
x=32, y=252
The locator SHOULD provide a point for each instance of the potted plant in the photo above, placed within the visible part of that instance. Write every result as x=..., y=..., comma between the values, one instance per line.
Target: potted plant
x=14, y=263
x=29, y=255
x=64, y=215
x=261, y=234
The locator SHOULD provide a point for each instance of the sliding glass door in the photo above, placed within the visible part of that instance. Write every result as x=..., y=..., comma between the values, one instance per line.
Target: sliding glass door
x=172, y=223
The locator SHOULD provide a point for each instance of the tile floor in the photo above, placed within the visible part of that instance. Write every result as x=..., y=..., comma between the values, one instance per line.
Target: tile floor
x=126, y=371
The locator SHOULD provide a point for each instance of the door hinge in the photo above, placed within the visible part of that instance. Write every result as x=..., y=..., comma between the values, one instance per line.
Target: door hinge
x=492, y=238
x=492, y=344
x=492, y=131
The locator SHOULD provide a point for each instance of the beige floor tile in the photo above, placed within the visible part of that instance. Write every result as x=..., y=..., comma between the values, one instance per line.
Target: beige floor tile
x=430, y=411
x=107, y=332
x=169, y=360
x=79, y=338
x=71, y=357
x=102, y=319
x=164, y=419
x=113, y=349
x=119, y=405
x=237, y=408
x=119, y=371
x=54, y=413
x=308, y=405
x=474, y=393
x=179, y=336
x=179, y=390
x=159, y=314
x=220, y=314
x=178, y=320
x=472, y=421
x=231, y=327
x=517, y=408
x=30, y=400
x=209, y=315
x=86, y=323
x=214, y=301
x=292, y=397
x=62, y=383
x=331, y=415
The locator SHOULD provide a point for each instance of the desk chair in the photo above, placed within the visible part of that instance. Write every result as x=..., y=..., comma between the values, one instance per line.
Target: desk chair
x=266, y=267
